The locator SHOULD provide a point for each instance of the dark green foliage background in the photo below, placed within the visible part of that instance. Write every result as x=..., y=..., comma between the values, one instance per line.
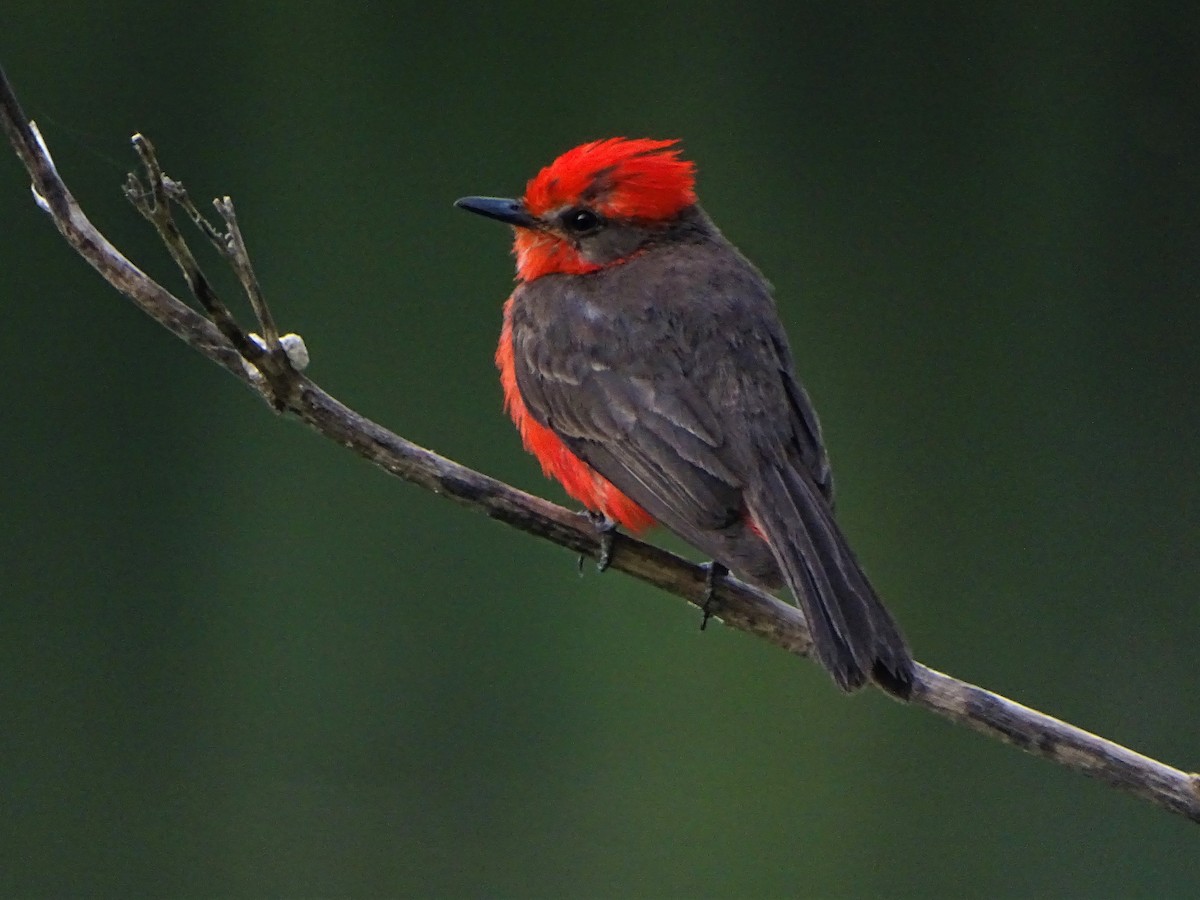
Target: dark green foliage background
x=236, y=660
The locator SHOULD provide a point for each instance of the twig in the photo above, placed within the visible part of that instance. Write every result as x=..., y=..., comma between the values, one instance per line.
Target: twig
x=269, y=365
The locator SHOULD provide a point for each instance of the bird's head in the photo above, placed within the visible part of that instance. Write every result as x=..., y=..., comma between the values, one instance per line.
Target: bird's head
x=594, y=206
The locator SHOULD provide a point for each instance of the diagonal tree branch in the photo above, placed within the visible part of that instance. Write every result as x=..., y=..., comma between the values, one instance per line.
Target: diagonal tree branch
x=270, y=366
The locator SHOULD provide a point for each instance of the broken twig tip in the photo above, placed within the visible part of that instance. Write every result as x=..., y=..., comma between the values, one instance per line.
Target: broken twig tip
x=41, y=201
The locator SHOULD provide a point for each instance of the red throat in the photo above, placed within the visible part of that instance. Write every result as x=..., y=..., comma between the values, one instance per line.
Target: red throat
x=539, y=253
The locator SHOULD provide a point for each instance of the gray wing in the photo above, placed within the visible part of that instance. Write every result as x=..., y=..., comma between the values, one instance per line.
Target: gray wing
x=673, y=406
x=682, y=395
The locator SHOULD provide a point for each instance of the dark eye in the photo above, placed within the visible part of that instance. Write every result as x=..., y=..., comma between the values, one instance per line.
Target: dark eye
x=581, y=221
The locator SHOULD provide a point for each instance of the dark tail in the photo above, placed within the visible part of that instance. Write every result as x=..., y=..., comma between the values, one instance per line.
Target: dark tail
x=854, y=636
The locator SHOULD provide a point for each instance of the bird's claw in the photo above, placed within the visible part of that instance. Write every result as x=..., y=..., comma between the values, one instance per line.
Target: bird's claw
x=713, y=572
x=606, y=530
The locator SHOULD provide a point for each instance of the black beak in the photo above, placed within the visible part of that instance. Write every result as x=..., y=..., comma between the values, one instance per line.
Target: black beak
x=512, y=212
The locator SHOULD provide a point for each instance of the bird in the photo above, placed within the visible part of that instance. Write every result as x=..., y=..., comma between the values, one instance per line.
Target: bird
x=644, y=364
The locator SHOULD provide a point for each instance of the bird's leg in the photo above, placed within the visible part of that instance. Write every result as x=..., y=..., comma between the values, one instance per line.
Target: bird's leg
x=606, y=530
x=713, y=572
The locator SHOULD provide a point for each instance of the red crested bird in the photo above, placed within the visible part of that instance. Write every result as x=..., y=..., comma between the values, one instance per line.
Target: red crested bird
x=644, y=364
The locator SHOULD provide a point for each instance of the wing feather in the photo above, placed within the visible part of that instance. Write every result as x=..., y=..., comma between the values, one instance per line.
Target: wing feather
x=663, y=395
x=672, y=378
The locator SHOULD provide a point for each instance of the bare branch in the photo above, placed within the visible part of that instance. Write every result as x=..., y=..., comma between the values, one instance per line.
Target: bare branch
x=266, y=367
x=154, y=205
x=239, y=259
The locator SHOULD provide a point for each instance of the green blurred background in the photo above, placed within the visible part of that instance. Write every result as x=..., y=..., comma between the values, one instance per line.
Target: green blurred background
x=237, y=660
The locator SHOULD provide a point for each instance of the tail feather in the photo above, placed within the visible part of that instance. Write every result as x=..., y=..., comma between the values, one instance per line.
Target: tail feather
x=854, y=636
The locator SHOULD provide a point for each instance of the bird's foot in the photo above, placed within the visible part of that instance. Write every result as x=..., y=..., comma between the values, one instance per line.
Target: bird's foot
x=606, y=530
x=713, y=572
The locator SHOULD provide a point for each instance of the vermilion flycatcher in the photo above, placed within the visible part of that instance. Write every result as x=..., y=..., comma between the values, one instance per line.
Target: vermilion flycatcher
x=644, y=364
